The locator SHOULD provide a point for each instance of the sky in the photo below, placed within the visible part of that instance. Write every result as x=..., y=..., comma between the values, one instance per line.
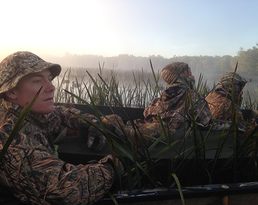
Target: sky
x=135, y=27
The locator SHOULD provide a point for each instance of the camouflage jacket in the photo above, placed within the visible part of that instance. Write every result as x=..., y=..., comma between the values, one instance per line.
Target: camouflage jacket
x=32, y=172
x=175, y=108
x=216, y=100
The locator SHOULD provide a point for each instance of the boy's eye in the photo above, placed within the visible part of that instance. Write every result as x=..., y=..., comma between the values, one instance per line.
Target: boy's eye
x=37, y=81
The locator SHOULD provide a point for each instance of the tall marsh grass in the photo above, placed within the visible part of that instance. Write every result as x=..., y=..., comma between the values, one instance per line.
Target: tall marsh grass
x=146, y=166
x=136, y=93
x=132, y=88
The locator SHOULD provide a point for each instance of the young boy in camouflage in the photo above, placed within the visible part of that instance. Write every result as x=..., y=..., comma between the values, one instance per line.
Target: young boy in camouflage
x=31, y=152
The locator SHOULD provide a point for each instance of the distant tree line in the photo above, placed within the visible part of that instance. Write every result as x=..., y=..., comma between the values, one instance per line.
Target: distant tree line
x=129, y=69
x=247, y=62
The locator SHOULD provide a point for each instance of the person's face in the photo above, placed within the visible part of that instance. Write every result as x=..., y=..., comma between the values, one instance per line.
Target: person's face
x=190, y=76
x=29, y=85
x=189, y=73
x=238, y=89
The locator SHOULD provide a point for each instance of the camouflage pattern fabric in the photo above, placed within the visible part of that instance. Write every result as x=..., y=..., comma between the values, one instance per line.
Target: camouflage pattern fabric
x=225, y=85
x=19, y=64
x=30, y=165
x=216, y=100
x=175, y=109
x=171, y=72
x=113, y=123
x=143, y=132
x=225, y=82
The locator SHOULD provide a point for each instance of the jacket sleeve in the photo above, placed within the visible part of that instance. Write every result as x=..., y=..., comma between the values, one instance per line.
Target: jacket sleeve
x=36, y=177
x=69, y=118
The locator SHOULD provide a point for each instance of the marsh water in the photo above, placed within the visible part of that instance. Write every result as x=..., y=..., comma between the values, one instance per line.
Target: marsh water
x=138, y=86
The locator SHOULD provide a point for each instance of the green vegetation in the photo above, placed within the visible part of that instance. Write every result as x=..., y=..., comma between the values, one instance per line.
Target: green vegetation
x=189, y=164
x=247, y=60
x=131, y=89
x=138, y=93
x=211, y=67
x=147, y=168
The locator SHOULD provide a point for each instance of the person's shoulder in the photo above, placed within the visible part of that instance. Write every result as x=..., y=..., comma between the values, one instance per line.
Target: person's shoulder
x=210, y=95
x=216, y=95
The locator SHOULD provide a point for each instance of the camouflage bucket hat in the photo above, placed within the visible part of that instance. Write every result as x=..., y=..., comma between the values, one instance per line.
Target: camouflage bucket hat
x=19, y=64
x=172, y=71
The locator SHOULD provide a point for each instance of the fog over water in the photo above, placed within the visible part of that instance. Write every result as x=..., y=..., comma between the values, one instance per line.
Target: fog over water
x=128, y=64
x=127, y=69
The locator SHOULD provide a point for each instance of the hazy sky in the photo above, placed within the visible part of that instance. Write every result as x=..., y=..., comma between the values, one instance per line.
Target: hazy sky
x=135, y=27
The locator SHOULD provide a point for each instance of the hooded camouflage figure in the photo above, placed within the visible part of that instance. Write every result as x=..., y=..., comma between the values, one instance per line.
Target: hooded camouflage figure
x=175, y=73
x=178, y=102
x=19, y=64
x=225, y=84
x=222, y=96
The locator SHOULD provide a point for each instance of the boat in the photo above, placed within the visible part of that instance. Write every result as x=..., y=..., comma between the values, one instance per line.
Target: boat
x=75, y=151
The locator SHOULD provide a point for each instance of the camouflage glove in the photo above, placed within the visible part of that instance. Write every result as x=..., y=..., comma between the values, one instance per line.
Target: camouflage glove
x=116, y=164
x=220, y=125
x=110, y=120
x=96, y=140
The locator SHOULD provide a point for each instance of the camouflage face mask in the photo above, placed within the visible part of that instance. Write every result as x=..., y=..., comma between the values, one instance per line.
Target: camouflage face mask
x=186, y=81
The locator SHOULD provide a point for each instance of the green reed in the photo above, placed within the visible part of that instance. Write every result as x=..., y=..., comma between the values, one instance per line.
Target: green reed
x=137, y=93
x=146, y=166
x=145, y=169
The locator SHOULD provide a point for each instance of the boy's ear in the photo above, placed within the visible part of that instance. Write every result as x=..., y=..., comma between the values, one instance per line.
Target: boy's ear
x=11, y=94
